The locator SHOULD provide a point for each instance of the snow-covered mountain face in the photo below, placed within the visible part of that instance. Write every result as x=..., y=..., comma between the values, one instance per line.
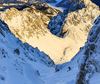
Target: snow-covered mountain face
x=30, y=25
x=20, y=63
x=89, y=61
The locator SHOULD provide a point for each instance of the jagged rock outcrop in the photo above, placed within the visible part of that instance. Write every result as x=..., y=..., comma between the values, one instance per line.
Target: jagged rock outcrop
x=89, y=61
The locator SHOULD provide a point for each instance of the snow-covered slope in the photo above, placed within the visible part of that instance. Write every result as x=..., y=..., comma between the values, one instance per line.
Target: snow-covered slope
x=20, y=63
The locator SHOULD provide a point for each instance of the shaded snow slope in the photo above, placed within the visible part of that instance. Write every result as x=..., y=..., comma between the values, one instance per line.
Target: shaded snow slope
x=19, y=63
x=89, y=62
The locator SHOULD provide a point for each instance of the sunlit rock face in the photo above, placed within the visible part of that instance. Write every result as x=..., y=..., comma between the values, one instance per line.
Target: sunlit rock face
x=31, y=21
x=30, y=25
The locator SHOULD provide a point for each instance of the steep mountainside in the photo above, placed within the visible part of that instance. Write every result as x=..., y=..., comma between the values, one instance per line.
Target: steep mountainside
x=89, y=61
x=20, y=63
x=31, y=27
x=62, y=39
